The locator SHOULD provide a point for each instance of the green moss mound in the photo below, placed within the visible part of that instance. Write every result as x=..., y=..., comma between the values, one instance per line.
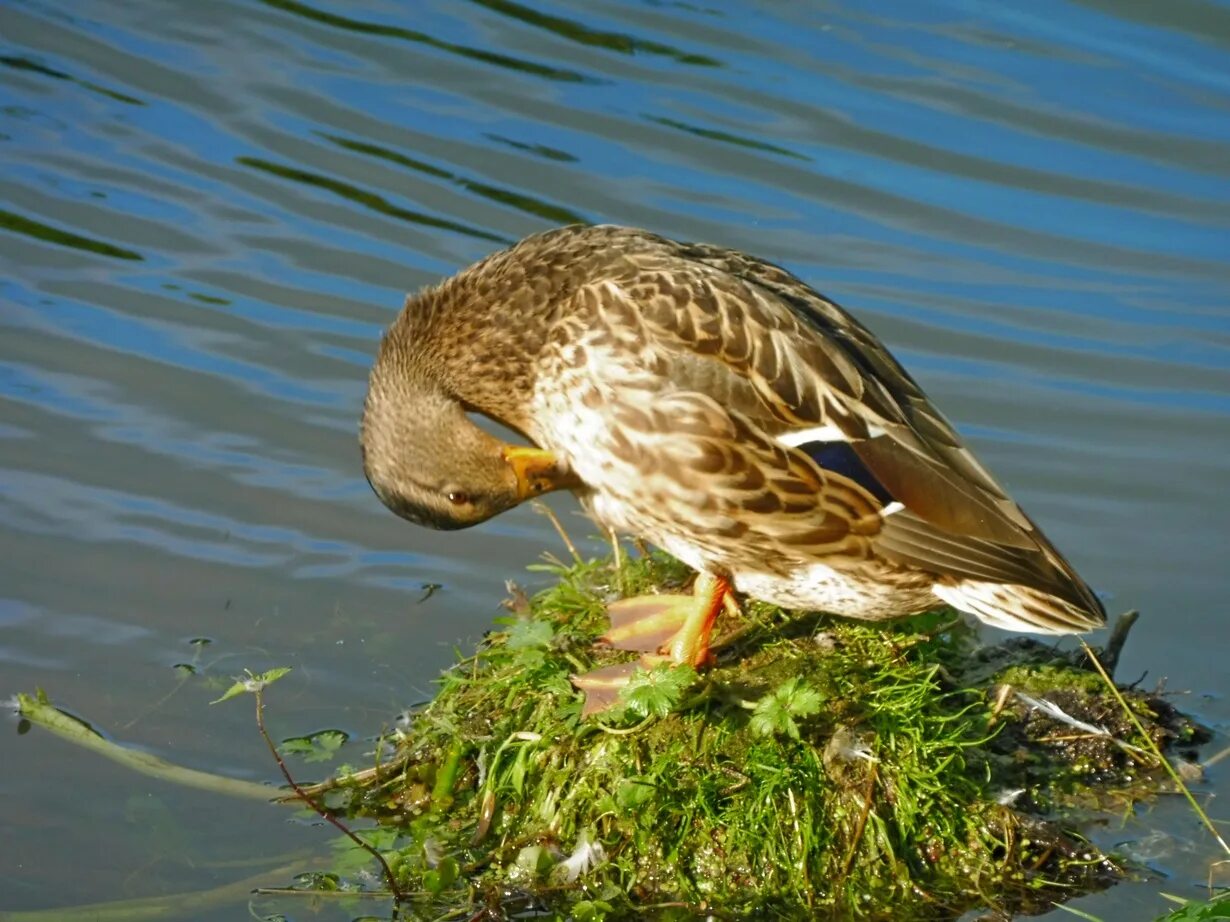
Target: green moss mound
x=823, y=768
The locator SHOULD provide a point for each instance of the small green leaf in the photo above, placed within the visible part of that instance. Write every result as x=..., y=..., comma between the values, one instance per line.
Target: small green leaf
x=801, y=700
x=530, y=633
x=239, y=688
x=1201, y=911
x=591, y=910
x=349, y=859
x=769, y=718
x=319, y=880
x=253, y=683
x=272, y=675
x=658, y=691
x=315, y=747
x=775, y=713
x=529, y=659
x=533, y=860
x=433, y=883
x=633, y=792
x=449, y=870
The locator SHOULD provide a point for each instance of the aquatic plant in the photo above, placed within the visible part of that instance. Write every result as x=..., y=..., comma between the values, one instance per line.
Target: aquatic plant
x=823, y=767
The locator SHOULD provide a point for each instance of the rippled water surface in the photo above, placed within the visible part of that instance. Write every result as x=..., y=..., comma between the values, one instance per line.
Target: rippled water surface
x=208, y=211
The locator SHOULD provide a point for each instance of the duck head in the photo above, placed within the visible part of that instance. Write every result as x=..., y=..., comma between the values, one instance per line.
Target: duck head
x=428, y=461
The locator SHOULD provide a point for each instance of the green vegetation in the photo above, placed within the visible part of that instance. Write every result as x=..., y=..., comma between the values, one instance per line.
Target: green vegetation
x=1204, y=911
x=823, y=767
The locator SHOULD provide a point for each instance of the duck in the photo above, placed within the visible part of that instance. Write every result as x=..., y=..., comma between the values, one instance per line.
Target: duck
x=714, y=405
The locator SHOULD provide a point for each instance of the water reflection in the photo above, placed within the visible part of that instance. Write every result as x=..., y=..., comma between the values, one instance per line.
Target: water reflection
x=578, y=32
x=23, y=225
x=19, y=63
x=337, y=21
x=510, y=197
x=365, y=198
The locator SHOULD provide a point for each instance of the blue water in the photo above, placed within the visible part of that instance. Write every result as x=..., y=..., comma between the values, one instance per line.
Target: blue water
x=209, y=211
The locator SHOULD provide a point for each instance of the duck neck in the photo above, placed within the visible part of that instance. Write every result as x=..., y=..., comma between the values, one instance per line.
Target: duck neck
x=475, y=347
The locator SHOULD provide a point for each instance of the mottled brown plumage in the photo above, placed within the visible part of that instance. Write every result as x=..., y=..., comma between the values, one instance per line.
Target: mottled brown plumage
x=715, y=405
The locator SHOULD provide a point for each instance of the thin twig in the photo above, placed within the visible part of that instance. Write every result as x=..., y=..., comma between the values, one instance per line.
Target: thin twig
x=617, y=562
x=546, y=510
x=1152, y=745
x=1118, y=637
x=856, y=839
x=394, y=889
x=626, y=731
x=1217, y=757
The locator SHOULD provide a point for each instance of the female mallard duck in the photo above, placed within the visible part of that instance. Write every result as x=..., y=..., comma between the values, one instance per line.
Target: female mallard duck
x=712, y=404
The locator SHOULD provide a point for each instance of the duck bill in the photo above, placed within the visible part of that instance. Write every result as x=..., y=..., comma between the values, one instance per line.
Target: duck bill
x=537, y=471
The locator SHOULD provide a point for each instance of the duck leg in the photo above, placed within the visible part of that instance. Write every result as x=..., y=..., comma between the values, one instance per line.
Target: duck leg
x=675, y=628
x=691, y=644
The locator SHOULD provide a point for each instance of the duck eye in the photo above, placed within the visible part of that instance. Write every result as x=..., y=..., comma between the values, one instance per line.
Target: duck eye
x=458, y=497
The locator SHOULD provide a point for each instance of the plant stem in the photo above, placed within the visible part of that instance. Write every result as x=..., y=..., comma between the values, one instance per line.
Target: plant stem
x=394, y=889
x=1149, y=742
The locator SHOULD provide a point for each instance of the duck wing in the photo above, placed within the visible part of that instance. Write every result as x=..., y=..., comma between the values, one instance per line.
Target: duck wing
x=820, y=376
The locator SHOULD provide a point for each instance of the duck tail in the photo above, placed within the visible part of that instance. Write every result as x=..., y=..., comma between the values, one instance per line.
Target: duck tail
x=1013, y=607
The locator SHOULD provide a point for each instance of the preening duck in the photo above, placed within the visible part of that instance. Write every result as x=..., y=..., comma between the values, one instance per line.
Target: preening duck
x=712, y=404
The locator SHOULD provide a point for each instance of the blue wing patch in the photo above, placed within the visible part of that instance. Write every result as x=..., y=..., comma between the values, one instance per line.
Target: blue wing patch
x=840, y=458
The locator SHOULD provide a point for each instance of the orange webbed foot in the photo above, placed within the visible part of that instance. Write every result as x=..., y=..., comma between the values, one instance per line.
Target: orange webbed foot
x=676, y=626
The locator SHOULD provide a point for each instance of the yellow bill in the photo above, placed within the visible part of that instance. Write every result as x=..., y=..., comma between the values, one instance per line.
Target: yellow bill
x=537, y=471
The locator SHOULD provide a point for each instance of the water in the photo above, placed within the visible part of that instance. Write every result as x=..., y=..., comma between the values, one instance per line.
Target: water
x=209, y=211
